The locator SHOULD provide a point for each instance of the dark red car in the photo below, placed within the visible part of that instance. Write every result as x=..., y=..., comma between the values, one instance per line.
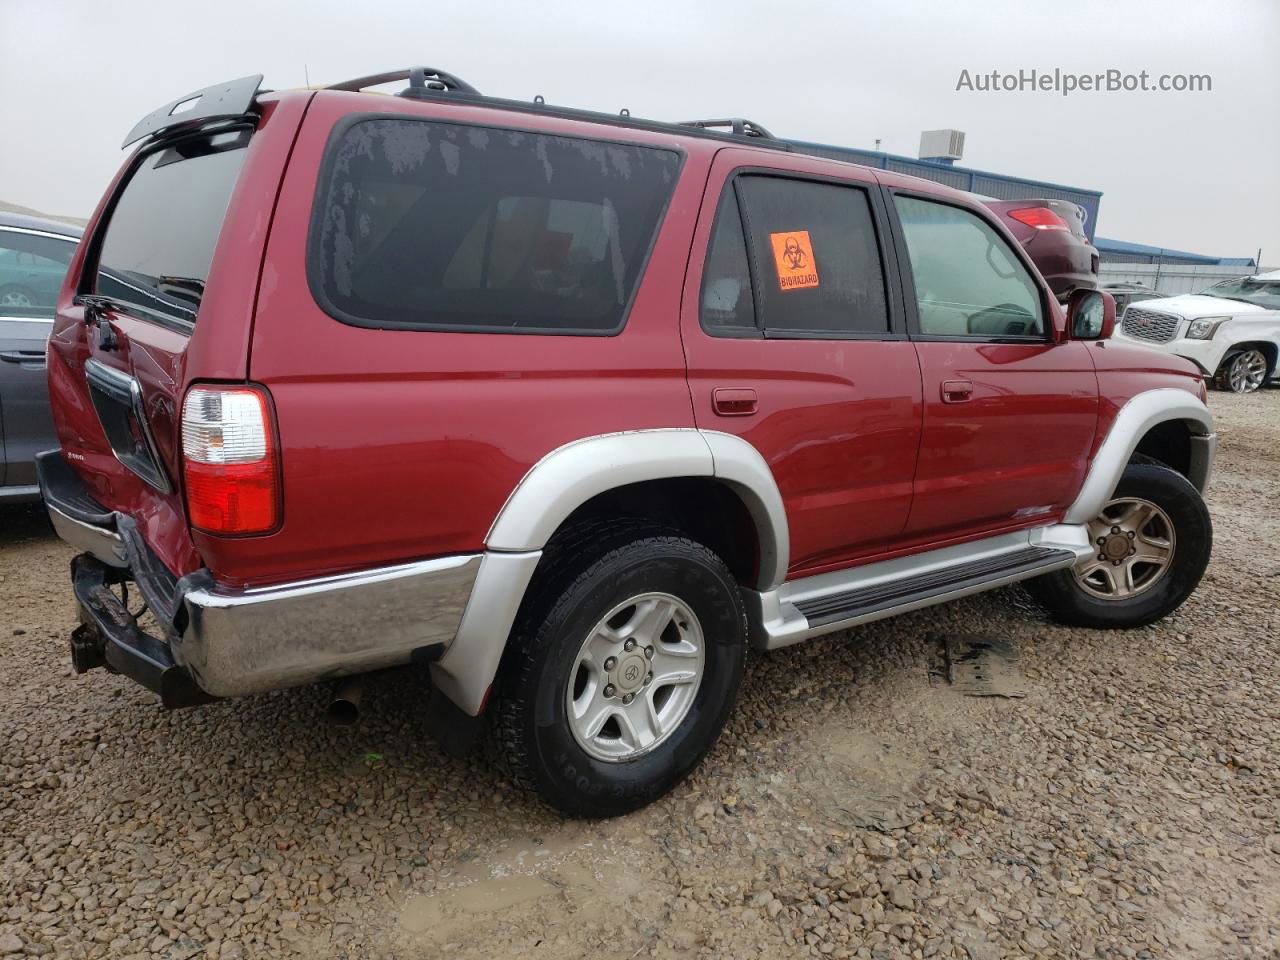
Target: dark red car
x=1052, y=232
x=576, y=409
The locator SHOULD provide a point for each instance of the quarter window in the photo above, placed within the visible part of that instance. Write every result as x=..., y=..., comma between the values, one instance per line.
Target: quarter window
x=427, y=225
x=968, y=281
x=728, y=305
x=815, y=258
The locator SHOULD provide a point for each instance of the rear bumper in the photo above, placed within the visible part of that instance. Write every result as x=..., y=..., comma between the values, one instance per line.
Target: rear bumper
x=223, y=643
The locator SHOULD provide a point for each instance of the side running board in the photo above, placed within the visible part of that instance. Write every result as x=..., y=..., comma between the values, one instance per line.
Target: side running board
x=856, y=604
x=810, y=607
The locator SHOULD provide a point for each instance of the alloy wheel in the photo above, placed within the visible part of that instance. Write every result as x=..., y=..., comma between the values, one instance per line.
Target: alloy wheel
x=635, y=677
x=15, y=298
x=1135, y=542
x=1247, y=371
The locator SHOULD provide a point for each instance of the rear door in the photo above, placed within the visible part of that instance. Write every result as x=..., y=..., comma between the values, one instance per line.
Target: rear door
x=164, y=294
x=796, y=342
x=1010, y=414
x=32, y=266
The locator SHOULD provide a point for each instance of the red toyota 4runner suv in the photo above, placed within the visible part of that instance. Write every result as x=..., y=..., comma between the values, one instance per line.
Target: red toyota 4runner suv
x=575, y=408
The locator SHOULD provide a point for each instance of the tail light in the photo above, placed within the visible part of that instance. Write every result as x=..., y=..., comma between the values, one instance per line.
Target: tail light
x=1042, y=218
x=230, y=463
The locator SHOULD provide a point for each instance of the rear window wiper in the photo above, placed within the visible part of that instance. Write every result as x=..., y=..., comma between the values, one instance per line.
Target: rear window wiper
x=189, y=289
x=95, y=312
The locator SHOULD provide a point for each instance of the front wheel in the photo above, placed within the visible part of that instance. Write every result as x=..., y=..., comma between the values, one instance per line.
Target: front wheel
x=1152, y=543
x=1242, y=372
x=619, y=683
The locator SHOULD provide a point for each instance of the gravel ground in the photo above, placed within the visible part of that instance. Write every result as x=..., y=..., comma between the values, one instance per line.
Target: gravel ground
x=1127, y=806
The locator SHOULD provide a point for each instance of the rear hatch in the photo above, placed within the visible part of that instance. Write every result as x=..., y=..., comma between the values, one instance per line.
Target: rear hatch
x=161, y=294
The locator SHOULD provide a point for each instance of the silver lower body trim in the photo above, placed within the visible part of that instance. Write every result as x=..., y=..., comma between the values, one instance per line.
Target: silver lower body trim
x=465, y=673
x=266, y=638
x=23, y=494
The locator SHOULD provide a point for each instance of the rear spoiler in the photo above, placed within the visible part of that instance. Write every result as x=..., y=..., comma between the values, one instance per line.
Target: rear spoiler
x=222, y=101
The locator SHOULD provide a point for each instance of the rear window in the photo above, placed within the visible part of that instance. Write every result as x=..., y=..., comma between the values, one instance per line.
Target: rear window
x=159, y=242
x=439, y=226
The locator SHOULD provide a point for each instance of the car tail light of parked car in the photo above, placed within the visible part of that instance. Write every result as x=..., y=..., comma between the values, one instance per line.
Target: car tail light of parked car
x=1042, y=218
x=229, y=461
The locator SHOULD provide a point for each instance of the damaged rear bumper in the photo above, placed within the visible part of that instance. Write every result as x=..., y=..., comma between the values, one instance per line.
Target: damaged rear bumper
x=225, y=642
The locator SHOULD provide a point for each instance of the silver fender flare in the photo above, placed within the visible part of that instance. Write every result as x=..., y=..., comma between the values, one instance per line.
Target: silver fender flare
x=558, y=484
x=1142, y=412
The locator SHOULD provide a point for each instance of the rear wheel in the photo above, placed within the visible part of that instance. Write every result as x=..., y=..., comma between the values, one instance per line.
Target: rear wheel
x=1152, y=543
x=619, y=680
x=1242, y=372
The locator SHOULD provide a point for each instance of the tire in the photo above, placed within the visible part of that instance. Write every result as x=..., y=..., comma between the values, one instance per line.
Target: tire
x=1243, y=371
x=544, y=678
x=1102, y=598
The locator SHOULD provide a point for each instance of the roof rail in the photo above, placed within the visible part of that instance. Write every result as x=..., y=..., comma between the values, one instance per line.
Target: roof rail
x=421, y=80
x=428, y=83
x=738, y=126
x=223, y=101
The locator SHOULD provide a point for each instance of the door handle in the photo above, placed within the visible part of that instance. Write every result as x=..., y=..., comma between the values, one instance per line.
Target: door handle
x=31, y=357
x=733, y=401
x=957, y=391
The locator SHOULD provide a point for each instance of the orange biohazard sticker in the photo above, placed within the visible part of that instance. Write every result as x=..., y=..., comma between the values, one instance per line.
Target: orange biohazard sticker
x=793, y=258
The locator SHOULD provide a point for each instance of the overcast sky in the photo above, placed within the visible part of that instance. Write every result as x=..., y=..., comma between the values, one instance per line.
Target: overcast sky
x=1192, y=171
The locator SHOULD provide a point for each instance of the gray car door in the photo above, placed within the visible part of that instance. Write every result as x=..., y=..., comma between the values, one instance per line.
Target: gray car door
x=32, y=264
x=24, y=398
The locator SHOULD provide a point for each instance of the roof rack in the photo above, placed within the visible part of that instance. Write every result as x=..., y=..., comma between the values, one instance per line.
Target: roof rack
x=428, y=83
x=421, y=81
x=738, y=126
x=223, y=101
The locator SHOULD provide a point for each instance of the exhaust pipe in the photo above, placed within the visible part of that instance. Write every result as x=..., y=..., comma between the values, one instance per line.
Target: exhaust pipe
x=344, y=708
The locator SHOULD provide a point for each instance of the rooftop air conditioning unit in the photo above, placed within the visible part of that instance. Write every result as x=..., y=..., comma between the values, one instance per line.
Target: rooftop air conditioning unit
x=942, y=146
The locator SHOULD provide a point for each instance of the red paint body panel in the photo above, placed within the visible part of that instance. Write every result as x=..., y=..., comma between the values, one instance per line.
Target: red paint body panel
x=1125, y=370
x=163, y=361
x=838, y=421
x=411, y=441
x=1017, y=448
x=398, y=445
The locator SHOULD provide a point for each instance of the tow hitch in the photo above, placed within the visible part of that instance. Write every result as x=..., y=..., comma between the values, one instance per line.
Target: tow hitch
x=109, y=636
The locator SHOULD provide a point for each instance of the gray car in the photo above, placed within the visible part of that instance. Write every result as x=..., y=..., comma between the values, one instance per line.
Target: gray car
x=33, y=261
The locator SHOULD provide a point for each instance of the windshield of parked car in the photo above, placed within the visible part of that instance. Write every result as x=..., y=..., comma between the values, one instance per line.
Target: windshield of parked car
x=1264, y=293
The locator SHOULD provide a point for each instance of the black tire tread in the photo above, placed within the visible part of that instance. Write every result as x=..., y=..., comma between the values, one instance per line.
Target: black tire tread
x=570, y=558
x=1058, y=593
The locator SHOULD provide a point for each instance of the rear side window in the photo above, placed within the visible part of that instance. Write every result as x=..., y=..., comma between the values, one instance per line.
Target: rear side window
x=968, y=281
x=439, y=226
x=160, y=237
x=815, y=257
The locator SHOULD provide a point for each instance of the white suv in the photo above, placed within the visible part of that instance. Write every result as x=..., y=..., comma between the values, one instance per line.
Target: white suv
x=1231, y=331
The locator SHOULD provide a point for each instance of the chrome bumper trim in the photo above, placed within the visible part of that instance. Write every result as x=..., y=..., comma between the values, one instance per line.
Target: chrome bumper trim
x=101, y=542
x=266, y=638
